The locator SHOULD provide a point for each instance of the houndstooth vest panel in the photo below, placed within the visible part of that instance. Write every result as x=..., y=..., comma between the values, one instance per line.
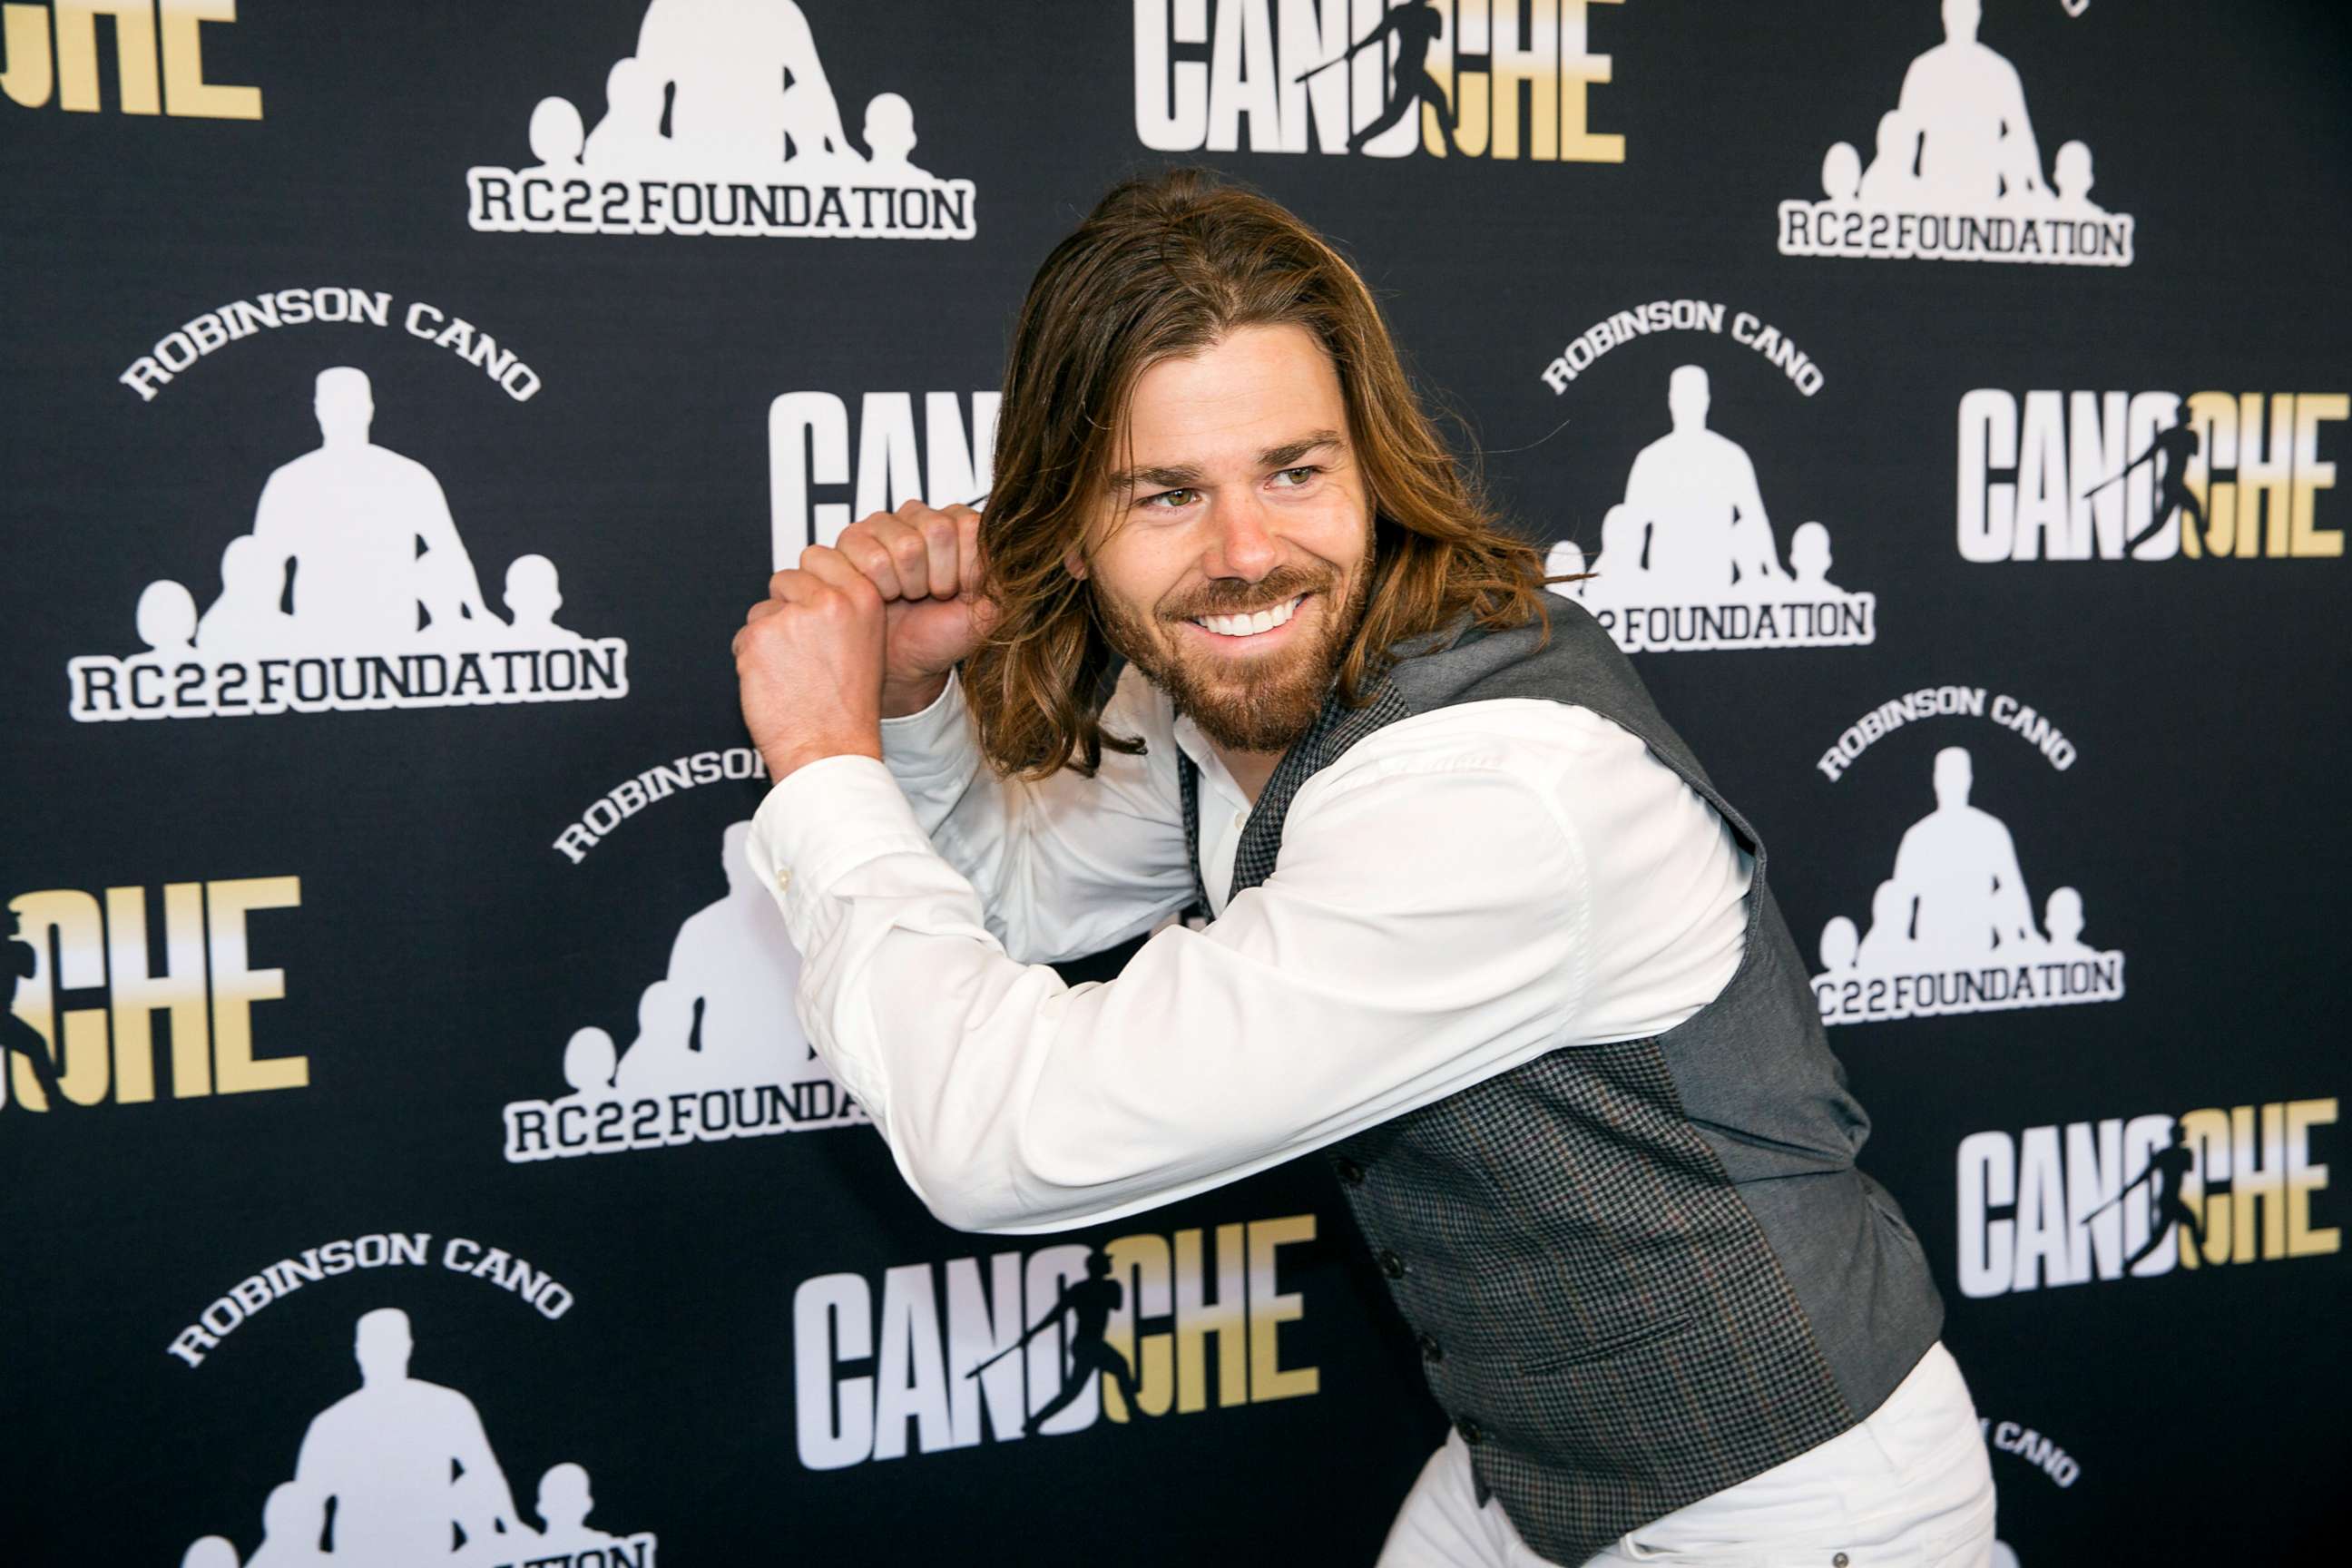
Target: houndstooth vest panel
x=1640, y=1273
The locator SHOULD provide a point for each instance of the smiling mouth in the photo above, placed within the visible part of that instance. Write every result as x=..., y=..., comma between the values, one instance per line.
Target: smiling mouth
x=1247, y=628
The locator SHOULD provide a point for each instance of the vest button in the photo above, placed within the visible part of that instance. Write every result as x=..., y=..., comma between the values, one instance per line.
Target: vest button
x=1839, y=1561
x=1430, y=1349
x=1392, y=1265
x=1349, y=1172
x=1472, y=1433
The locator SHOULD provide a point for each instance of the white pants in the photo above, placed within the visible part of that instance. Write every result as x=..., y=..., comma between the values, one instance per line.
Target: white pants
x=1911, y=1487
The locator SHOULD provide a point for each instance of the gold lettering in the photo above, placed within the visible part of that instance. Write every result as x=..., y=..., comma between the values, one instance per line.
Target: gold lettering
x=1140, y=1262
x=1536, y=63
x=2257, y=1182
x=2312, y=475
x=2303, y=1178
x=1270, y=1309
x=1198, y=1317
x=1581, y=69
x=235, y=988
x=2265, y=473
x=185, y=90
x=135, y=54
x=138, y=997
x=25, y=32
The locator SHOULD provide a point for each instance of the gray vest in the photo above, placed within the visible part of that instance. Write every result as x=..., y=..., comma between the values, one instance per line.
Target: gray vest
x=1642, y=1272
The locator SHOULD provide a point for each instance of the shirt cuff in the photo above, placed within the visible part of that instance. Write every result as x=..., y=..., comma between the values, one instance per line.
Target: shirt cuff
x=822, y=822
x=934, y=743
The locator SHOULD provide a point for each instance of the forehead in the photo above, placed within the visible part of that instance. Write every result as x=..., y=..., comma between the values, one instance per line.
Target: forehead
x=1255, y=388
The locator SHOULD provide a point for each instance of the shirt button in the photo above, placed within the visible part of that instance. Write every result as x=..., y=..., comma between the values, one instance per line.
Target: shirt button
x=1240, y=819
x=1839, y=1561
x=1472, y=1433
x=1430, y=1349
x=783, y=878
x=1392, y=1265
x=1349, y=1172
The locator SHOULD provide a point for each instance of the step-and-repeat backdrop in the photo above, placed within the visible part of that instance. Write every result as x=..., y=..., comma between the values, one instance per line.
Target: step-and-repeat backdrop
x=409, y=1152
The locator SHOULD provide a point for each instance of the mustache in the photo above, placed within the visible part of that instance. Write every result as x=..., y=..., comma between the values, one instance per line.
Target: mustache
x=1278, y=586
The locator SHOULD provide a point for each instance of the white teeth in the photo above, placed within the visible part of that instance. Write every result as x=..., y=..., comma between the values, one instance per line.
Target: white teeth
x=1250, y=625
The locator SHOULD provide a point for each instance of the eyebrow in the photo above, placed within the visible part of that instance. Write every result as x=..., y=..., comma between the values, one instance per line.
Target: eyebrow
x=1185, y=475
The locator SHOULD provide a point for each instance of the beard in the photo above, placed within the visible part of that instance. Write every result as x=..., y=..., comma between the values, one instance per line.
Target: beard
x=1244, y=704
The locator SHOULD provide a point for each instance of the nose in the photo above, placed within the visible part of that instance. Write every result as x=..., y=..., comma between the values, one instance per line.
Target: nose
x=1239, y=543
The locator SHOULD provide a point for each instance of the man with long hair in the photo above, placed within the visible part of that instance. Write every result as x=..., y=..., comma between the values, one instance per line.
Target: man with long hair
x=1236, y=631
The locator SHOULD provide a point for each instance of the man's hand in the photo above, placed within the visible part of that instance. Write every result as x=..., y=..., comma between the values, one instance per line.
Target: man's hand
x=925, y=564
x=862, y=629
x=809, y=664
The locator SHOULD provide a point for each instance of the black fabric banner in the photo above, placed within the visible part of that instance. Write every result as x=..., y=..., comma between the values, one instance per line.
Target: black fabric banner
x=407, y=1136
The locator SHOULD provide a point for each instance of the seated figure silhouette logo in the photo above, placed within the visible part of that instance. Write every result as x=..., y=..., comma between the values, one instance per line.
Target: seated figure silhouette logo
x=1954, y=930
x=354, y=590
x=1955, y=170
x=724, y=122
x=400, y=1473
x=1689, y=559
x=405, y=1463
x=716, y=1051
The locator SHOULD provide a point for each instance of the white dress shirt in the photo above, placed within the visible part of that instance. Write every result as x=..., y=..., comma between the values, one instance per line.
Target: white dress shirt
x=1461, y=892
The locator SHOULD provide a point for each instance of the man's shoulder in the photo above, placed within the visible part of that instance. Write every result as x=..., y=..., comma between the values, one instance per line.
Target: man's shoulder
x=1562, y=654
x=1526, y=721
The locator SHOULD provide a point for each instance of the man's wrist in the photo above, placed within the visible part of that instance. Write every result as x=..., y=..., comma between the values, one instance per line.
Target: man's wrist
x=901, y=700
x=784, y=761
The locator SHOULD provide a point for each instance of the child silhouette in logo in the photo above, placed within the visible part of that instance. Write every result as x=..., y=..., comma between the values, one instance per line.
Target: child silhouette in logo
x=246, y=618
x=890, y=138
x=166, y=619
x=291, y=1522
x=532, y=597
x=564, y=1501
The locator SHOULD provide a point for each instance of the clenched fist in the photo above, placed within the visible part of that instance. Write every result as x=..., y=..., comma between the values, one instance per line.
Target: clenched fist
x=862, y=629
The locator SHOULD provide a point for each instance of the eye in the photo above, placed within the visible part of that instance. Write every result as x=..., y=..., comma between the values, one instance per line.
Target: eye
x=1292, y=479
x=1169, y=501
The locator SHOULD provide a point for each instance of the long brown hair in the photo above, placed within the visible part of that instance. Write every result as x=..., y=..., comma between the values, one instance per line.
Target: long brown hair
x=1166, y=266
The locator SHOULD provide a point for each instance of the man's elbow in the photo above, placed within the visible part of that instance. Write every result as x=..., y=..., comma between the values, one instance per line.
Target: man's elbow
x=980, y=1213
x=965, y=1193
